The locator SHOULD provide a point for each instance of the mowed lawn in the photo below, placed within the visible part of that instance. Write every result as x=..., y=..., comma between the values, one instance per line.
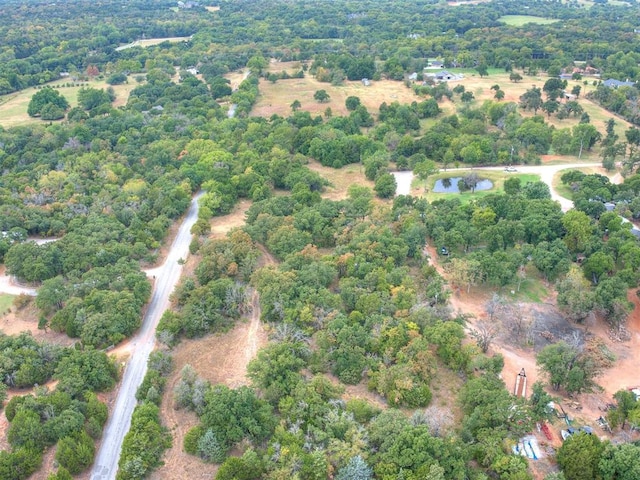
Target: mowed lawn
x=520, y=20
x=13, y=107
x=6, y=301
x=497, y=178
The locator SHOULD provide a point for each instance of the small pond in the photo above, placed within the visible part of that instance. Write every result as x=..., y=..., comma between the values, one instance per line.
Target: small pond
x=450, y=185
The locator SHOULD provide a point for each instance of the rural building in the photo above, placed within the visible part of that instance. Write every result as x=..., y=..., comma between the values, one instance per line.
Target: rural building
x=444, y=76
x=613, y=83
x=366, y=82
x=435, y=64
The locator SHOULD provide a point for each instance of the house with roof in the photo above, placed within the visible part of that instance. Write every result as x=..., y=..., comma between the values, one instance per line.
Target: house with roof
x=444, y=76
x=613, y=83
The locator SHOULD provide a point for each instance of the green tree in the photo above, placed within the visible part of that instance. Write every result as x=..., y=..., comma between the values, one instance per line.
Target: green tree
x=579, y=456
x=597, y=265
x=512, y=186
x=579, y=230
x=531, y=99
x=90, y=98
x=550, y=106
x=567, y=367
x=321, y=96
x=75, y=453
x=385, y=185
x=575, y=297
x=352, y=103
x=44, y=98
x=482, y=70
x=620, y=462
x=209, y=448
x=295, y=105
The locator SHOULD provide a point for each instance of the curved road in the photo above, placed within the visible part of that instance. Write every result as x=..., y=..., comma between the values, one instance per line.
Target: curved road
x=167, y=276
x=546, y=173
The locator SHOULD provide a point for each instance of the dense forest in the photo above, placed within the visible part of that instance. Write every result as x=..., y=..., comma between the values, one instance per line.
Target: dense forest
x=351, y=297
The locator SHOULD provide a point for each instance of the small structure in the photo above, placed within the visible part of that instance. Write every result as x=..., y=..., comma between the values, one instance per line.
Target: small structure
x=613, y=83
x=444, y=76
x=413, y=76
x=569, y=96
x=366, y=82
x=520, y=389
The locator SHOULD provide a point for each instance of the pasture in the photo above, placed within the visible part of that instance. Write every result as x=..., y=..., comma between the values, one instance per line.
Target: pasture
x=13, y=107
x=276, y=98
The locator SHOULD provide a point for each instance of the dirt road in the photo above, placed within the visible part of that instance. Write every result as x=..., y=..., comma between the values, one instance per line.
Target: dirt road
x=106, y=463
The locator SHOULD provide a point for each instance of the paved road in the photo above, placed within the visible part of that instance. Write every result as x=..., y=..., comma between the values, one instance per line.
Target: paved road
x=167, y=276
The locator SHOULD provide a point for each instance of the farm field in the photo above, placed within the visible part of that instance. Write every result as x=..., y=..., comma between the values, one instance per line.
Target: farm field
x=13, y=107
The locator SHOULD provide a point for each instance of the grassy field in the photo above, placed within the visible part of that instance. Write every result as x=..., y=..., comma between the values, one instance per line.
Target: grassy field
x=481, y=89
x=520, y=20
x=497, y=178
x=276, y=98
x=6, y=301
x=13, y=107
x=564, y=190
x=149, y=42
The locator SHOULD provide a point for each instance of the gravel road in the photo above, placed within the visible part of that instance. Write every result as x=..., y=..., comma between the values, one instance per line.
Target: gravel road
x=167, y=276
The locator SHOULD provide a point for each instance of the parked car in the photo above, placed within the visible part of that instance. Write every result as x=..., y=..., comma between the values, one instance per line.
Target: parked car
x=444, y=251
x=510, y=169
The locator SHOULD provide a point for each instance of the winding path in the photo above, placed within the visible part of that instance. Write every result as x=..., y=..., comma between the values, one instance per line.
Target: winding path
x=167, y=276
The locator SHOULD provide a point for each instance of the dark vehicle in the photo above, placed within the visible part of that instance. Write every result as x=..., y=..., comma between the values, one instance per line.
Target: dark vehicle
x=444, y=251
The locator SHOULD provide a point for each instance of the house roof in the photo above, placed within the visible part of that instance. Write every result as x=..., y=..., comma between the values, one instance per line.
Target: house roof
x=613, y=83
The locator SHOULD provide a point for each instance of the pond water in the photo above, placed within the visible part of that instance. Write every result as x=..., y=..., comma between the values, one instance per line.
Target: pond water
x=450, y=185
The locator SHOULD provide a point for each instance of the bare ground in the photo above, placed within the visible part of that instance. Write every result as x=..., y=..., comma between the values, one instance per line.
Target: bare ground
x=220, y=359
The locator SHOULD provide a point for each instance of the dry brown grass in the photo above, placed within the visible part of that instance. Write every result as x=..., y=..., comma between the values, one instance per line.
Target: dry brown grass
x=340, y=178
x=276, y=98
x=481, y=89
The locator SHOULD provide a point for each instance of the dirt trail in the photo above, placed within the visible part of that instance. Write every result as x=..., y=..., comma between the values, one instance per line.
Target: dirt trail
x=220, y=358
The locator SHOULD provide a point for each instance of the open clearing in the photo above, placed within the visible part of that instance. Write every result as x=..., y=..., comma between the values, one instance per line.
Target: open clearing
x=5, y=303
x=13, y=107
x=276, y=98
x=150, y=42
x=520, y=20
x=481, y=89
